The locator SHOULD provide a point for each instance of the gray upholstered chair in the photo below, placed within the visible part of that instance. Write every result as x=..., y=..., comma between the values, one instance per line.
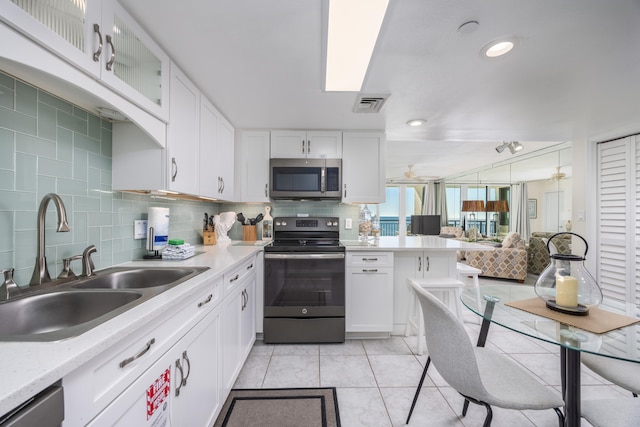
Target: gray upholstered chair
x=479, y=374
x=613, y=412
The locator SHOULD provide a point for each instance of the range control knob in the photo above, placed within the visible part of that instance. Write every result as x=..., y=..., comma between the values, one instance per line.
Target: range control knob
x=328, y=223
x=304, y=311
x=278, y=223
x=335, y=223
x=284, y=223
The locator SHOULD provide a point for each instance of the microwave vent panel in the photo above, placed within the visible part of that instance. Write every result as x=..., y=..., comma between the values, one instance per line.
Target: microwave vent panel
x=369, y=103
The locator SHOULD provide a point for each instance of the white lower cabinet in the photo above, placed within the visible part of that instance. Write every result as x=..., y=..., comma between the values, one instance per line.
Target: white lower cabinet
x=239, y=334
x=183, y=386
x=369, y=292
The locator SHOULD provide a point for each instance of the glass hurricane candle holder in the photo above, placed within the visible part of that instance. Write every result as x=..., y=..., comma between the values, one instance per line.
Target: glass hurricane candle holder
x=565, y=284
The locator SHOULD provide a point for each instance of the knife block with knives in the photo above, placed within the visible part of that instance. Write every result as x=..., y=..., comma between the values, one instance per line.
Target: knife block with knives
x=209, y=231
x=249, y=233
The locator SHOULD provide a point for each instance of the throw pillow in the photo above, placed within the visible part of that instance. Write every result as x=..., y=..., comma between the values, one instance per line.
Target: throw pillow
x=511, y=241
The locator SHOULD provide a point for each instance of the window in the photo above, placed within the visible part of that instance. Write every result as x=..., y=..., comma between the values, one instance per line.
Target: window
x=402, y=201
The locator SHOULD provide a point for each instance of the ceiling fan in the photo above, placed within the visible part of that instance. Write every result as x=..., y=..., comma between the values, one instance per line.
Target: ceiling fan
x=558, y=175
x=410, y=176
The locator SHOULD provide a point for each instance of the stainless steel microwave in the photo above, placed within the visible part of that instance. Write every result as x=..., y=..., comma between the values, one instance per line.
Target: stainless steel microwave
x=297, y=179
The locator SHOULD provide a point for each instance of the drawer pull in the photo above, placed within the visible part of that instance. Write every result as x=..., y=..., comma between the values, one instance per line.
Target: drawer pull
x=371, y=270
x=233, y=279
x=179, y=383
x=369, y=259
x=207, y=301
x=250, y=267
x=146, y=348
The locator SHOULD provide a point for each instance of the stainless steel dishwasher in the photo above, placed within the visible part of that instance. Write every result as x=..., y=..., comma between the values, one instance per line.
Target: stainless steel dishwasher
x=46, y=409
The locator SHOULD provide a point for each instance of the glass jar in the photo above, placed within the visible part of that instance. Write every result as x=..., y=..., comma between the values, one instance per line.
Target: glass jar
x=566, y=285
x=364, y=224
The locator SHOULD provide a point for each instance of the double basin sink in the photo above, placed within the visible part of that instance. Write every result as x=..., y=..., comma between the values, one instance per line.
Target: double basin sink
x=70, y=309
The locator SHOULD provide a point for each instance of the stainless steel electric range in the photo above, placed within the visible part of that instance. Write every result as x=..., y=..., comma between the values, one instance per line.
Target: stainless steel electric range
x=304, y=281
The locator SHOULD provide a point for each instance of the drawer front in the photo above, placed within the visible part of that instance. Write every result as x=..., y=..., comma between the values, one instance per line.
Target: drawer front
x=90, y=388
x=237, y=275
x=370, y=259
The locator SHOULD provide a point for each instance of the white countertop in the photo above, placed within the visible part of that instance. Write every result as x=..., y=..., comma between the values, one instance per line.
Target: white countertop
x=413, y=243
x=26, y=368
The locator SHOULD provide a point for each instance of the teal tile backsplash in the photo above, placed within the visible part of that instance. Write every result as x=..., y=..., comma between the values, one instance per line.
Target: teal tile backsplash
x=48, y=145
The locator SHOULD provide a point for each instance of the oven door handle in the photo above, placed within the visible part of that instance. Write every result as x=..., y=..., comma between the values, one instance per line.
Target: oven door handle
x=304, y=256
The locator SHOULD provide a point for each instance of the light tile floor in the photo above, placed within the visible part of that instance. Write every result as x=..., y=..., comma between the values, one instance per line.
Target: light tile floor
x=376, y=378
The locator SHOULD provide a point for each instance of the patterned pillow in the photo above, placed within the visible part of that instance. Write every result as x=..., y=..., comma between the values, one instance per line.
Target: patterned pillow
x=512, y=240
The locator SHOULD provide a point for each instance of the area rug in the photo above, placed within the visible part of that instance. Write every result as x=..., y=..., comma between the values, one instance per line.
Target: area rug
x=280, y=407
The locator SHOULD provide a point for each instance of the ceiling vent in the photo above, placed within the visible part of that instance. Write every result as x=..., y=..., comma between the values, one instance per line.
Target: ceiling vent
x=369, y=103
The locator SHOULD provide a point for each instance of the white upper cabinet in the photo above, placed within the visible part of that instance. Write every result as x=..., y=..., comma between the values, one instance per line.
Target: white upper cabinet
x=216, y=153
x=297, y=144
x=102, y=39
x=363, y=167
x=252, y=166
x=183, y=134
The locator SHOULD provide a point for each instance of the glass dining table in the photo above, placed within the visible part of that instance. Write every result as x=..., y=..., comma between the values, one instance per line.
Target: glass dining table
x=489, y=303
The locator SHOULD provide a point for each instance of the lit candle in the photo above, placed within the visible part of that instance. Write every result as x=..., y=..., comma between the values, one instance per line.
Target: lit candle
x=567, y=291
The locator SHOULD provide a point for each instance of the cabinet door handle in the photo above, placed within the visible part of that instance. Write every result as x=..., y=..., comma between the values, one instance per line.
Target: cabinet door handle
x=179, y=383
x=250, y=267
x=222, y=181
x=369, y=259
x=186, y=359
x=97, y=53
x=146, y=348
x=113, y=54
x=308, y=146
x=303, y=146
x=345, y=190
x=428, y=263
x=174, y=167
x=233, y=279
x=419, y=263
x=206, y=301
x=266, y=190
x=371, y=270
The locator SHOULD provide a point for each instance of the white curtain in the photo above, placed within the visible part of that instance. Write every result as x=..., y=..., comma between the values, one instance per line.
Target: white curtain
x=520, y=211
x=429, y=199
x=434, y=201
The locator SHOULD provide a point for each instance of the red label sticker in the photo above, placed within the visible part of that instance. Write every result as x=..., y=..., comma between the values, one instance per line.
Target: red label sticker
x=158, y=392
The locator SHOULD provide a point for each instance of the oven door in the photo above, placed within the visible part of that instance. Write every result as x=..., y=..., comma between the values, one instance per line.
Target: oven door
x=304, y=284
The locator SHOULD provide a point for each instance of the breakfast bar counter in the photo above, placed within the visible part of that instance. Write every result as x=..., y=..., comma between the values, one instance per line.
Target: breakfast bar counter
x=412, y=243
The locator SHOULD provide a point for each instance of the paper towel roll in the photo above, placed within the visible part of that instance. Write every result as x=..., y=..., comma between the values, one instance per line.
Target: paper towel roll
x=157, y=228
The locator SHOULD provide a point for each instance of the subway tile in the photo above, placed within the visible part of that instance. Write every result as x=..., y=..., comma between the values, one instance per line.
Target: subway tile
x=79, y=112
x=17, y=121
x=46, y=185
x=7, y=149
x=86, y=204
x=99, y=219
x=100, y=162
x=26, y=174
x=106, y=233
x=17, y=201
x=6, y=81
x=25, y=249
x=6, y=259
x=106, y=146
x=85, y=143
x=6, y=223
x=94, y=178
x=106, y=202
x=106, y=180
x=37, y=146
x=94, y=232
x=79, y=226
x=64, y=144
x=55, y=102
x=47, y=121
x=71, y=122
x=26, y=99
x=58, y=168
x=6, y=180
x=95, y=126
x=80, y=165
x=7, y=96
x=107, y=125
x=72, y=187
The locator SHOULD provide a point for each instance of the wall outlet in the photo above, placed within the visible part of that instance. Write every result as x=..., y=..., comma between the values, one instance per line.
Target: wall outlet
x=140, y=229
x=348, y=223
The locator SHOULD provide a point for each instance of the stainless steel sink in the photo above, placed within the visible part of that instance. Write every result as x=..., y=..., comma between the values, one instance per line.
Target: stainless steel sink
x=139, y=278
x=61, y=314
x=72, y=308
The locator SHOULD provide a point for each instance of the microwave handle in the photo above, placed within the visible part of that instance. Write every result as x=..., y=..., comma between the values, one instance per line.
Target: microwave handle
x=323, y=179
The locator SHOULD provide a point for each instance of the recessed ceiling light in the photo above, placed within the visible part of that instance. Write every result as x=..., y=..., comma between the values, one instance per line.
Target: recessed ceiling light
x=498, y=47
x=352, y=31
x=416, y=122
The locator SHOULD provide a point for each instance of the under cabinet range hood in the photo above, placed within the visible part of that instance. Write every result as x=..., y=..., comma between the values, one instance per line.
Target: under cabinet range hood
x=305, y=179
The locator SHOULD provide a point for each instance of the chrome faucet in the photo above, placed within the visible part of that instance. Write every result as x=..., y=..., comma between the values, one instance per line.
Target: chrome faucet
x=87, y=262
x=8, y=288
x=40, y=271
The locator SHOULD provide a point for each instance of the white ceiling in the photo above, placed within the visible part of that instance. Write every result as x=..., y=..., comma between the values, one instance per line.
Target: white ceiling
x=574, y=75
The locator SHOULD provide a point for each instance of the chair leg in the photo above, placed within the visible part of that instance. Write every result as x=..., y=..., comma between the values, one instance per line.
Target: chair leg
x=415, y=397
x=465, y=407
x=489, y=418
x=560, y=417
